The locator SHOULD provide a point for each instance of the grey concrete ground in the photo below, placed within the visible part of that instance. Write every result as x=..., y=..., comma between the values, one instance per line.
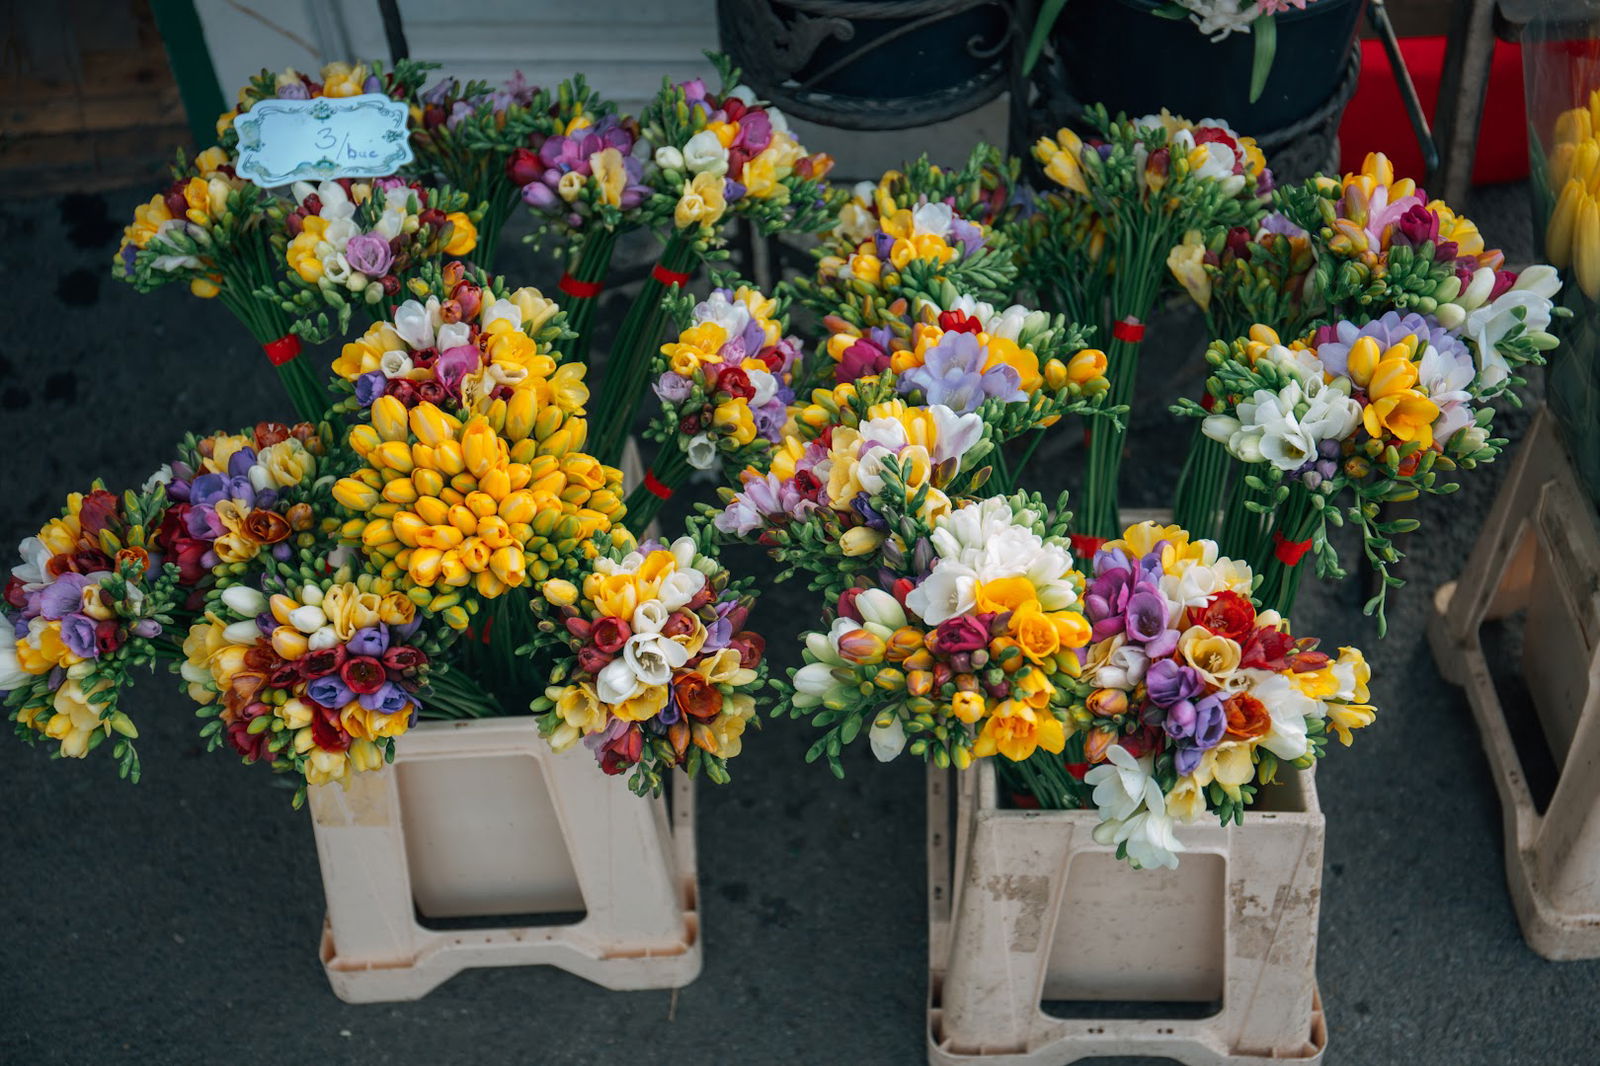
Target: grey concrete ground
x=177, y=921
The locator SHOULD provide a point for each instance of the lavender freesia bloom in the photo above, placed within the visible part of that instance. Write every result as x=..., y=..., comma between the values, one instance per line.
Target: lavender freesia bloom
x=387, y=700
x=456, y=363
x=369, y=254
x=1334, y=342
x=969, y=235
x=1169, y=682
x=77, y=633
x=952, y=374
x=671, y=388
x=329, y=691
x=1146, y=622
x=369, y=387
x=63, y=596
x=371, y=640
x=294, y=90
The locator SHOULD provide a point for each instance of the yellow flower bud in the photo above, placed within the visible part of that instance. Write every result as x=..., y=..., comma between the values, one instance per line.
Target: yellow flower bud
x=1086, y=366
x=352, y=494
x=478, y=446
x=389, y=418
x=431, y=425
x=507, y=565
x=560, y=593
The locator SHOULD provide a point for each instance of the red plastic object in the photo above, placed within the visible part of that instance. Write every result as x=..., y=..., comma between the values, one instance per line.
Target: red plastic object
x=1376, y=119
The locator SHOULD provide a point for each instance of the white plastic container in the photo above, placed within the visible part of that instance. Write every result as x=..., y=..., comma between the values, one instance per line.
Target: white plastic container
x=1025, y=907
x=1539, y=551
x=480, y=818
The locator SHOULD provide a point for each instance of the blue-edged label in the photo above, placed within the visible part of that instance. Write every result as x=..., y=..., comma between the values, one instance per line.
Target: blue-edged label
x=314, y=140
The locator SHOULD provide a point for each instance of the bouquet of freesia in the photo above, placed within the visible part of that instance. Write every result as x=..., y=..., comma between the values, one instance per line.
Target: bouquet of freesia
x=654, y=668
x=962, y=644
x=471, y=137
x=725, y=385
x=1186, y=697
x=357, y=243
x=716, y=155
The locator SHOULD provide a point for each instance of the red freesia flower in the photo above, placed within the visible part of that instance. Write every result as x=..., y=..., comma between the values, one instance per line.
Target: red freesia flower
x=735, y=383
x=321, y=663
x=1247, y=717
x=1267, y=649
x=621, y=752
x=98, y=511
x=270, y=433
x=680, y=623
x=750, y=646
x=610, y=634
x=326, y=731
x=958, y=634
x=846, y=607
x=403, y=657
x=959, y=322
x=363, y=674
x=591, y=660
x=1226, y=614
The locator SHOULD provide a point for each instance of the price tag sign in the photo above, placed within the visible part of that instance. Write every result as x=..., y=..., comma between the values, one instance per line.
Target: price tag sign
x=316, y=140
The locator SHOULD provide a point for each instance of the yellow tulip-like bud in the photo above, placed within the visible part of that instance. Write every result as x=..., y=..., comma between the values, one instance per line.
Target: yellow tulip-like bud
x=518, y=507
x=377, y=533
x=560, y=593
x=508, y=565
x=496, y=485
x=400, y=490
x=453, y=571
x=861, y=540
x=449, y=458
x=432, y=510
x=1086, y=366
x=521, y=410
x=1264, y=334
x=289, y=642
x=389, y=418
x=478, y=448
x=354, y=495
x=862, y=646
x=425, y=565
x=431, y=425
x=1363, y=360
x=363, y=439
x=393, y=454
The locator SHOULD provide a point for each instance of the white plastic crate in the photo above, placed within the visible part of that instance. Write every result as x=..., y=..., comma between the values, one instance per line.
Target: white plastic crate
x=1025, y=907
x=1539, y=552
x=479, y=818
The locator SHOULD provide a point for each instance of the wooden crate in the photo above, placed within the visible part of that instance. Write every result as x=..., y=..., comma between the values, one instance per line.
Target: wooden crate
x=89, y=99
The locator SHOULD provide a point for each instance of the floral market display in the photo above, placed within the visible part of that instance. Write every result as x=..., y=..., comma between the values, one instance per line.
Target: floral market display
x=1420, y=328
x=1125, y=199
x=437, y=546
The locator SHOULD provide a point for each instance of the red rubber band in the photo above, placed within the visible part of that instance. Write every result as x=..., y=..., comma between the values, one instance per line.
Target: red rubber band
x=668, y=277
x=1129, y=329
x=1289, y=552
x=579, y=290
x=282, y=350
x=488, y=624
x=1088, y=436
x=1085, y=547
x=655, y=487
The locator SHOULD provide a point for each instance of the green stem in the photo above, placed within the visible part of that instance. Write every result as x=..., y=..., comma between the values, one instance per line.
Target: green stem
x=1198, y=502
x=670, y=470
x=1293, y=523
x=628, y=368
x=591, y=267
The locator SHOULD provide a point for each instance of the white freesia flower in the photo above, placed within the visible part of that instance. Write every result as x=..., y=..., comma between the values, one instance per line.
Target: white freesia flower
x=653, y=657
x=395, y=364
x=887, y=739
x=1289, y=708
x=704, y=154
x=1122, y=784
x=244, y=632
x=934, y=218
x=416, y=322
x=1124, y=668
x=648, y=617
x=335, y=268
x=702, y=451
x=616, y=682
x=162, y=476
x=732, y=315
x=501, y=310
x=765, y=386
x=12, y=675
x=1149, y=837
x=308, y=618
x=880, y=611
x=323, y=639
x=679, y=587
x=1488, y=326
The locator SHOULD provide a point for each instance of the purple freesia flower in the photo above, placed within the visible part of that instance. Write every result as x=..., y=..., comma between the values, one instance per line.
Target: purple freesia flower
x=772, y=416
x=387, y=700
x=1146, y=622
x=240, y=462
x=371, y=641
x=862, y=359
x=952, y=374
x=456, y=363
x=64, y=595
x=968, y=234
x=539, y=196
x=1334, y=342
x=1169, y=683
x=672, y=388
x=762, y=496
x=329, y=691
x=369, y=254
x=294, y=90
x=77, y=633
x=369, y=387
x=1277, y=222
x=1201, y=728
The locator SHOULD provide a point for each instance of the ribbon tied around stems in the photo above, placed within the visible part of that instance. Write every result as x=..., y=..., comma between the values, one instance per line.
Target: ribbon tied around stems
x=488, y=624
x=1085, y=547
x=1129, y=329
x=654, y=486
x=668, y=277
x=282, y=350
x=579, y=290
x=1289, y=552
